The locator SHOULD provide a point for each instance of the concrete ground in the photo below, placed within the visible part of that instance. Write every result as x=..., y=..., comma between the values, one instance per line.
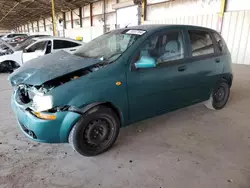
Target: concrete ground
x=192, y=148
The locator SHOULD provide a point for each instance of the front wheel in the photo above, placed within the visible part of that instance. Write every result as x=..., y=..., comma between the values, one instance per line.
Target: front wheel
x=8, y=66
x=219, y=96
x=95, y=132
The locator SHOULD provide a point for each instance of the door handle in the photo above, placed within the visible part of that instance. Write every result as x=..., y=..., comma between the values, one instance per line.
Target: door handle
x=182, y=68
x=72, y=50
x=217, y=60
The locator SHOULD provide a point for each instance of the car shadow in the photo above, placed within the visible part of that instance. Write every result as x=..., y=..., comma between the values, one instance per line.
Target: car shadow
x=179, y=119
x=156, y=125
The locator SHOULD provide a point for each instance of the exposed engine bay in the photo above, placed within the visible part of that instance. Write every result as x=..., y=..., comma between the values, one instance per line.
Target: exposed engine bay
x=31, y=97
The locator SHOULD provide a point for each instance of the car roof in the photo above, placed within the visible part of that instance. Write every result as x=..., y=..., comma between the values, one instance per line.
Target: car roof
x=56, y=38
x=156, y=27
x=16, y=34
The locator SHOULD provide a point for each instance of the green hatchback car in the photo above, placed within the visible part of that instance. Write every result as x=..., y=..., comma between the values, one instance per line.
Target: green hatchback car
x=119, y=78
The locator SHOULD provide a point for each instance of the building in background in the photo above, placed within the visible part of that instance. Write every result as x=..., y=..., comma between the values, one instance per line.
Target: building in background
x=92, y=20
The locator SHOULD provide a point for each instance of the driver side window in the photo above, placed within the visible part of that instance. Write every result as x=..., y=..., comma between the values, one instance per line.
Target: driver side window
x=163, y=48
x=40, y=46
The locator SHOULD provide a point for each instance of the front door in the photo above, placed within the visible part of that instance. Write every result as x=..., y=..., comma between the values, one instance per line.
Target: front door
x=36, y=50
x=168, y=86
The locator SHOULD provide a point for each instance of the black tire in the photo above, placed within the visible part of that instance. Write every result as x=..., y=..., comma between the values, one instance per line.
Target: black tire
x=8, y=66
x=95, y=132
x=219, y=96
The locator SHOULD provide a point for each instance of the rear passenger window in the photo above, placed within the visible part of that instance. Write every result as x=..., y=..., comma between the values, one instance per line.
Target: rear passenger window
x=60, y=44
x=201, y=43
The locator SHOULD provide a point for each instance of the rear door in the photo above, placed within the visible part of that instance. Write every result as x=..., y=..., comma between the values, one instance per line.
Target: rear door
x=68, y=46
x=35, y=50
x=205, y=62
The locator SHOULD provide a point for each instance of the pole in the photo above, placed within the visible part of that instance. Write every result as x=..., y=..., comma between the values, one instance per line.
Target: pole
x=221, y=15
x=53, y=17
x=104, y=17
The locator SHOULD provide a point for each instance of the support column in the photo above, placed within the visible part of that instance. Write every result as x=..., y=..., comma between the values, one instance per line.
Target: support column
x=44, y=24
x=91, y=14
x=104, y=16
x=53, y=17
x=37, y=23
x=221, y=15
x=80, y=16
x=144, y=11
x=32, y=26
x=64, y=21
x=72, y=19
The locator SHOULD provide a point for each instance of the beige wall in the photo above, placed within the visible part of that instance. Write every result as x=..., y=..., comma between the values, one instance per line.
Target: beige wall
x=236, y=31
x=179, y=8
x=235, y=28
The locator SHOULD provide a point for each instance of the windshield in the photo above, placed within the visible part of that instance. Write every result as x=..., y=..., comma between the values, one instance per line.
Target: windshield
x=24, y=44
x=110, y=46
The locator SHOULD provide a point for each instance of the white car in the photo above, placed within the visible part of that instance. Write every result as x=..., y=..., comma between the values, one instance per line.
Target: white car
x=10, y=36
x=33, y=48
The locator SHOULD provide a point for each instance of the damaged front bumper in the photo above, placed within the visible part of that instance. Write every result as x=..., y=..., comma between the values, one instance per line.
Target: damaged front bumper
x=47, y=131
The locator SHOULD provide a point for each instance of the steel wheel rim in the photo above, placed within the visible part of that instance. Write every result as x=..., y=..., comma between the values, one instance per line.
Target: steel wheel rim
x=220, y=94
x=98, y=133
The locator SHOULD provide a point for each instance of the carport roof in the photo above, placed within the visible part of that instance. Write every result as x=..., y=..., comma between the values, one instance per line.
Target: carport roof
x=14, y=13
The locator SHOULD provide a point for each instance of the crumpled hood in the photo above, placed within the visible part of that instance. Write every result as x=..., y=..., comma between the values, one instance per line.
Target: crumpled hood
x=49, y=67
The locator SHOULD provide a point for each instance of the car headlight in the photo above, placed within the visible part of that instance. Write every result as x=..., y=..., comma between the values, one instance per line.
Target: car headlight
x=42, y=103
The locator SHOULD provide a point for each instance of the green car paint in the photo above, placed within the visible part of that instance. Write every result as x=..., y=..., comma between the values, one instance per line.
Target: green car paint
x=135, y=93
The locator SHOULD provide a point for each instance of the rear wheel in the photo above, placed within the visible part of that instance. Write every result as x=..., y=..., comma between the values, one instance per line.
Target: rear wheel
x=95, y=132
x=219, y=96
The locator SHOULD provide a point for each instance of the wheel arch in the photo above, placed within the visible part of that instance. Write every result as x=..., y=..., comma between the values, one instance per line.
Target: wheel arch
x=106, y=104
x=228, y=78
x=10, y=65
x=12, y=61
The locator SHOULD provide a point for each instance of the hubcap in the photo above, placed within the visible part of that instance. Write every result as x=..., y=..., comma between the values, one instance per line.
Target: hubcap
x=219, y=94
x=97, y=133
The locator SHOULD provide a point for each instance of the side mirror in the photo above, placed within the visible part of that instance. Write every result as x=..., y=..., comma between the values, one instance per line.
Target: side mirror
x=145, y=62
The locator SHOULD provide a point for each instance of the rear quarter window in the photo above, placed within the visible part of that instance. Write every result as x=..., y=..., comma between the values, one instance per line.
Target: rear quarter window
x=220, y=42
x=201, y=43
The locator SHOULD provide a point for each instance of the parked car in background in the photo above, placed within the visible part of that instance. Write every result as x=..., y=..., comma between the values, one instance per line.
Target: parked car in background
x=14, y=41
x=21, y=39
x=5, y=51
x=10, y=36
x=121, y=77
x=35, y=47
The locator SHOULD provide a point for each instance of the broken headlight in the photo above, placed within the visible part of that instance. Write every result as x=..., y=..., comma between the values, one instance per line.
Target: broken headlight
x=42, y=103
